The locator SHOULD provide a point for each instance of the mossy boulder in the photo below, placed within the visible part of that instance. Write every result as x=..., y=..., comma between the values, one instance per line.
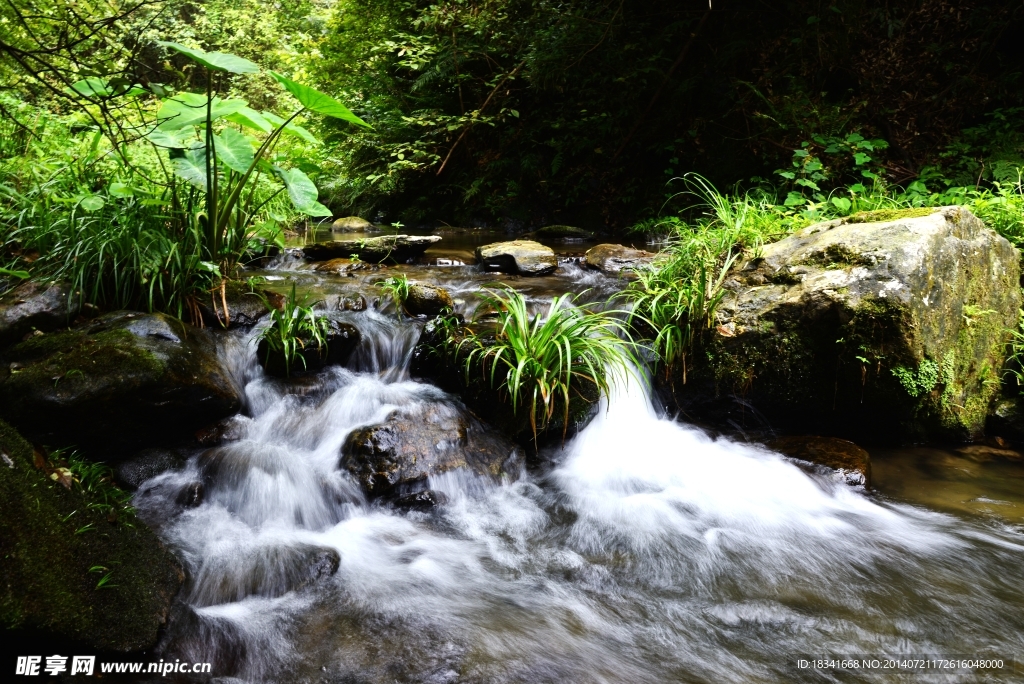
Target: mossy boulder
x=36, y=305
x=398, y=249
x=522, y=257
x=428, y=300
x=55, y=550
x=870, y=330
x=122, y=382
x=395, y=458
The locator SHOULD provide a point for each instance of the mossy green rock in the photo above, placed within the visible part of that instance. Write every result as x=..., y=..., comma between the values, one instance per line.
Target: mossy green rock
x=55, y=549
x=865, y=329
x=122, y=382
x=35, y=305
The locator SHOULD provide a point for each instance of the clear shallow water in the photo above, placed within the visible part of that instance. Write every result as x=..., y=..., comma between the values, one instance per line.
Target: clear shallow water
x=642, y=551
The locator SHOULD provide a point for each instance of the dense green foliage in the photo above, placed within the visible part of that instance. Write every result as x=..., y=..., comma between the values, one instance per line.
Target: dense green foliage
x=542, y=359
x=292, y=327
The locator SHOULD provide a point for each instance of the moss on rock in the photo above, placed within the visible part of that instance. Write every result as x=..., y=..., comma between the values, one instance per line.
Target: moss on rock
x=55, y=548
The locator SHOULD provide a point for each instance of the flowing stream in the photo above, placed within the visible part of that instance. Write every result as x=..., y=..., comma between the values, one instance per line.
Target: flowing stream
x=641, y=551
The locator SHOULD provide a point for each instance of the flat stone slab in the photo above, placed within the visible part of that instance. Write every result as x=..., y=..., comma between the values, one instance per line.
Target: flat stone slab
x=386, y=248
x=523, y=257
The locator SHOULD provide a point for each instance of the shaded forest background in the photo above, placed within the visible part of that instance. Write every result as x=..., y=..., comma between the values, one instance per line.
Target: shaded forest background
x=534, y=111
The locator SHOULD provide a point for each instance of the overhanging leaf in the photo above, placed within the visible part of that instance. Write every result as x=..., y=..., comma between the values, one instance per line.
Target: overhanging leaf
x=162, y=138
x=318, y=102
x=250, y=118
x=189, y=109
x=93, y=86
x=218, y=61
x=234, y=150
x=302, y=192
x=292, y=129
x=192, y=167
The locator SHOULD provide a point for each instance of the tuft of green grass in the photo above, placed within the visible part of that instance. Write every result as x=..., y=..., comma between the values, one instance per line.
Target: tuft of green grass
x=542, y=360
x=395, y=288
x=292, y=327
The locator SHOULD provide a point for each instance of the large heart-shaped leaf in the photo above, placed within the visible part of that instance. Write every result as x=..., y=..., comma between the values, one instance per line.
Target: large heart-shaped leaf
x=292, y=129
x=192, y=167
x=250, y=118
x=93, y=86
x=218, y=61
x=302, y=192
x=234, y=150
x=318, y=102
x=189, y=109
x=169, y=139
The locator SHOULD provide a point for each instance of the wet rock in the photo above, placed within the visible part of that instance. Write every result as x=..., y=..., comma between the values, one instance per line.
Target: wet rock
x=426, y=500
x=851, y=463
x=146, y=465
x=887, y=329
x=35, y=305
x=422, y=440
x=523, y=257
x=560, y=233
x=122, y=382
x=244, y=307
x=191, y=495
x=613, y=259
x=1007, y=420
x=351, y=224
x=341, y=339
x=345, y=266
x=267, y=570
x=397, y=249
x=428, y=300
x=227, y=430
x=55, y=549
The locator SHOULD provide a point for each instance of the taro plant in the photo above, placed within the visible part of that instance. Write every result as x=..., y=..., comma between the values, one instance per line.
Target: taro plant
x=292, y=328
x=544, y=360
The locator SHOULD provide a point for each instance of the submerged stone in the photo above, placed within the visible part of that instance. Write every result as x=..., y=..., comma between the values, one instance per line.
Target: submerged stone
x=560, y=233
x=523, y=257
x=891, y=329
x=124, y=381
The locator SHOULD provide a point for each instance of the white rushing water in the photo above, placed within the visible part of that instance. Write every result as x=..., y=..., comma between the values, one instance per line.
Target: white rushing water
x=643, y=551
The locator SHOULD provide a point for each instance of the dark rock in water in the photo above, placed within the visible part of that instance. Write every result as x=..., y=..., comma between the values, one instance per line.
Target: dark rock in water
x=851, y=463
x=523, y=257
x=391, y=248
x=55, y=550
x=983, y=453
x=423, y=440
x=122, y=382
x=341, y=339
x=245, y=307
x=614, y=259
x=42, y=306
x=894, y=329
x=426, y=500
x=146, y=465
x=227, y=430
x=1007, y=420
x=352, y=224
x=560, y=233
x=192, y=495
x=345, y=266
x=427, y=300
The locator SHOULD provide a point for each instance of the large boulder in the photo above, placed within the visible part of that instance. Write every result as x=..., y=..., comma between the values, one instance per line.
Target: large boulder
x=70, y=571
x=614, y=259
x=36, y=305
x=850, y=463
x=884, y=324
x=523, y=257
x=396, y=457
x=428, y=300
x=351, y=224
x=124, y=381
x=398, y=249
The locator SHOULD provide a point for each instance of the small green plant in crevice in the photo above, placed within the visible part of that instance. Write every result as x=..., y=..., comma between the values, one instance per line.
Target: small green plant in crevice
x=96, y=480
x=543, y=360
x=1015, y=362
x=294, y=326
x=921, y=381
x=396, y=288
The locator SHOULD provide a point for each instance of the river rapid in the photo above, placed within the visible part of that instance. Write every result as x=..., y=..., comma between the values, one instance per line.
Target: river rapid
x=643, y=550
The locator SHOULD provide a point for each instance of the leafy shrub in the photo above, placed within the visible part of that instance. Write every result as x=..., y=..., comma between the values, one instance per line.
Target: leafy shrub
x=292, y=328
